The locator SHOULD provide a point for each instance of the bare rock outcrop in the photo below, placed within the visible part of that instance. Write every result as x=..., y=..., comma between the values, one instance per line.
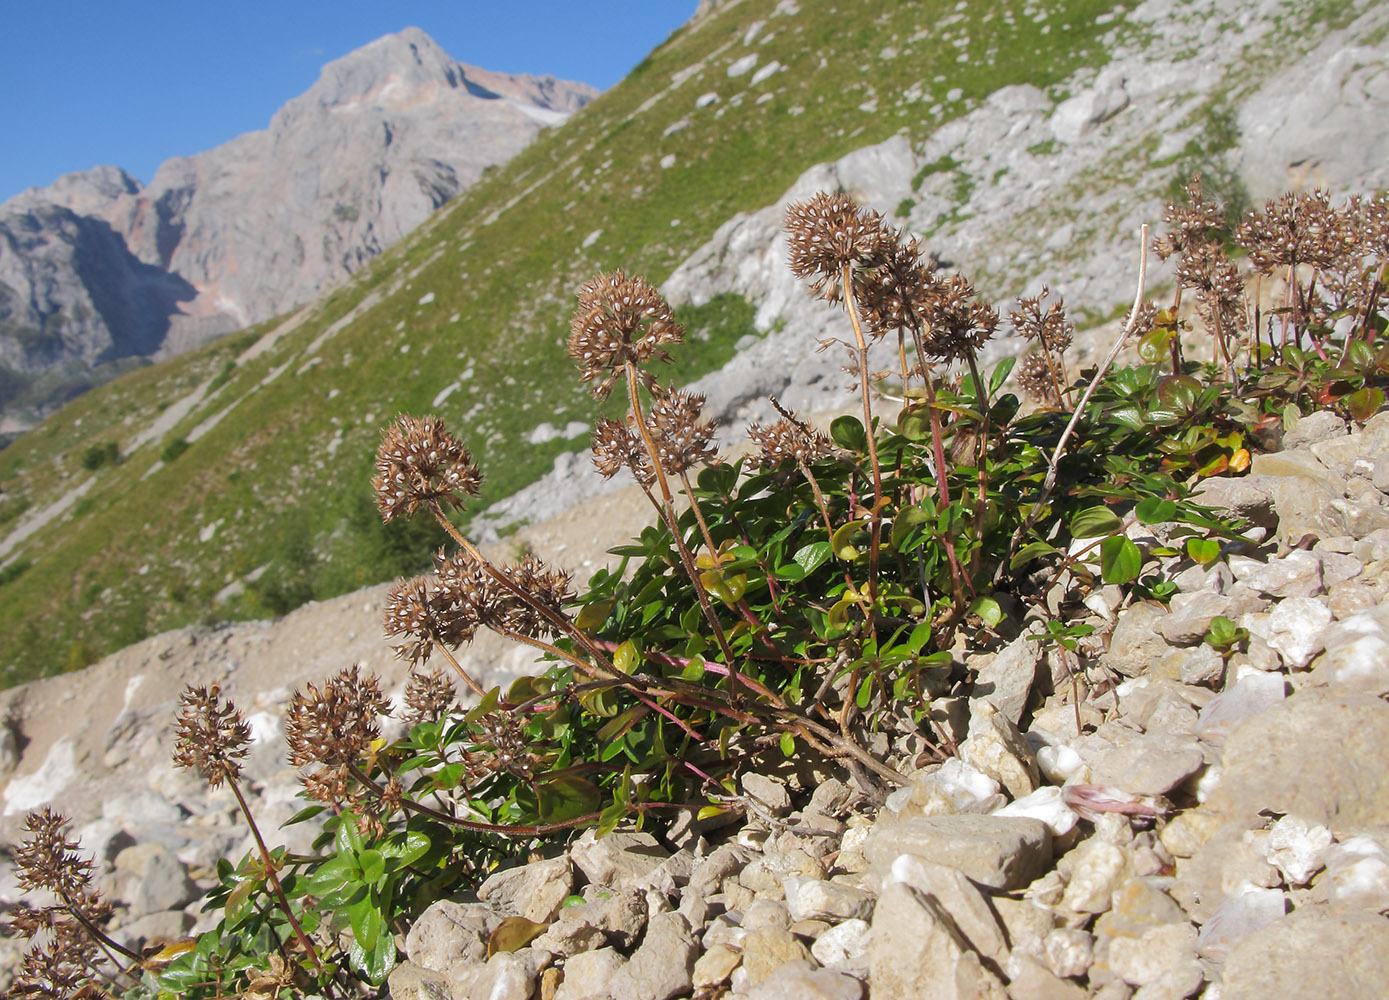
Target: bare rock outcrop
x=239, y=233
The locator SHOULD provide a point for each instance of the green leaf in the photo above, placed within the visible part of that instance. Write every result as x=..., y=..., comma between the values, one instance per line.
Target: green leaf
x=348, y=839
x=788, y=745
x=1000, y=374
x=407, y=848
x=330, y=875
x=373, y=963
x=919, y=637
x=903, y=523
x=1364, y=403
x=988, y=610
x=1155, y=510
x=373, y=865
x=865, y=692
x=1094, y=522
x=1204, y=550
x=366, y=921
x=842, y=542
x=625, y=657
x=1120, y=560
x=847, y=432
x=811, y=557
x=307, y=813
x=610, y=817
x=1030, y=551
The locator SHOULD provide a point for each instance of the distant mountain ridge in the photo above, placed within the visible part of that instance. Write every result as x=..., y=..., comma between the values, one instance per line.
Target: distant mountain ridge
x=96, y=268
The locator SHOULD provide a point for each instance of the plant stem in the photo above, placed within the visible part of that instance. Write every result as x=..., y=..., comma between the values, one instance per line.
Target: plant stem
x=270, y=875
x=667, y=510
x=1049, y=483
x=876, y=519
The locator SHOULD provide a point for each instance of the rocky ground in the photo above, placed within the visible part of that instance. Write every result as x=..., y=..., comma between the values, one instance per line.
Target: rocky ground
x=1217, y=826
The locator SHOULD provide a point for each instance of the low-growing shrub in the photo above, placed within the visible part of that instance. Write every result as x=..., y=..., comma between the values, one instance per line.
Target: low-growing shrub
x=807, y=600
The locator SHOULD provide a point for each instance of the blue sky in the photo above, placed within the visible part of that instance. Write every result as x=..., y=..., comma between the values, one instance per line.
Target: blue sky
x=85, y=83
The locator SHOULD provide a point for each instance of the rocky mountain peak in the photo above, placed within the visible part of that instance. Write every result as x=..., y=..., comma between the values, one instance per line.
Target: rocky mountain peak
x=272, y=218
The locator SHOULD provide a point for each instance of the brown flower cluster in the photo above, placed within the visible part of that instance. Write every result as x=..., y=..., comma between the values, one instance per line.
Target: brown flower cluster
x=616, y=446
x=829, y=232
x=619, y=320
x=959, y=323
x=210, y=735
x=897, y=293
x=1042, y=374
x=334, y=726
x=420, y=462
x=787, y=441
x=428, y=697
x=462, y=595
x=682, y=440
x=64, y=954
x=1293, y=230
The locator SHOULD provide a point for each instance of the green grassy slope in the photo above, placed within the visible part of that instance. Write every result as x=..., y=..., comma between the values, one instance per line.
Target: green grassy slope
x=466, y=318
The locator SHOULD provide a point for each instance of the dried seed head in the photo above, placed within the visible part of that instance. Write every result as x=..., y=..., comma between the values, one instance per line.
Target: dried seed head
x=428, y=697
x=547, y=589
x=785, y=441
x=682, y=440
x=334, y=725
x=210, y=735
x=619, y=319
x=830, y=231
x=48, y=860
x=1034, y=377
x=1292, y=230
x=895, y=294
x=418, y=462
x=63, y=966
x=1196, y=223
x=1049, y=326
x=960, y=323
x=428, y=613
x=616, y=447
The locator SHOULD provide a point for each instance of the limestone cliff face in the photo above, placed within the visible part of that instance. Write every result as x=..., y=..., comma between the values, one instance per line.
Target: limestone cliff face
x=271, y=219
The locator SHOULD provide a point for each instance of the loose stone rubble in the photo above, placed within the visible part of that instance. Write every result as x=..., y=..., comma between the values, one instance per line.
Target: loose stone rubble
x=1218, y=826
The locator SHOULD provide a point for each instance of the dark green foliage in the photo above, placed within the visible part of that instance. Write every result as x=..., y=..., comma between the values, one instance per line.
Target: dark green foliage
x=173, y=449
x=106, y=453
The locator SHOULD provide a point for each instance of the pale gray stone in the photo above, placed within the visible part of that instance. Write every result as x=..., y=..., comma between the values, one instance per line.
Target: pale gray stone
x=534, y=891
x=1331, y=955
x=1028, y=979
x=844, y=944
x=1253, y=693
x=800, y=980
x=619, y=858
x=1313, y=742
x=505, y=976
x=1147, y=763
x=997, y=748
x=764, y=951
x=915, y=952
x=1136, y=642
x=970, y=910
x=765, y=875
x=150, y=879
x=409, y=981
x=768, y=792
x=1239, y=914
x=1006, y=679
x=1298, y=574
x=1095, y=869
x=1319, y=425
x=663, y=965
x=999, y=852
x=1070, y=951
x=589, y=974
x=816, y=899
x=450, y=933
x=610, y=917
